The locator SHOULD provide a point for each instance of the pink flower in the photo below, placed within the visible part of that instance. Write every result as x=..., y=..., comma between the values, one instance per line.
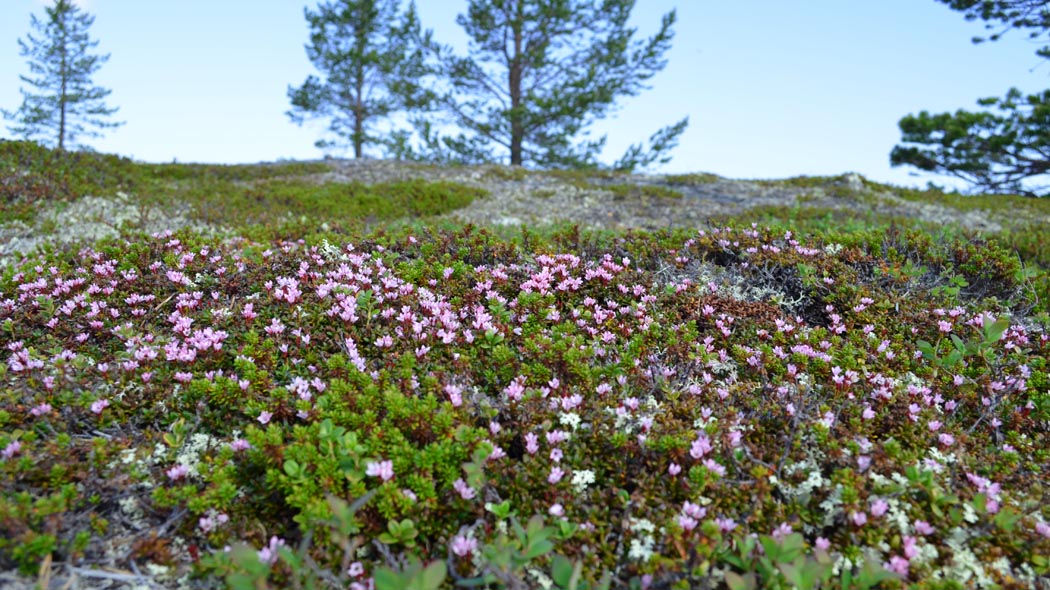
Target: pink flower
x=879, y=507
x=674, y=469
x=694, y=510
x=715, y=467
x=911, y=548
x=40, y=410
x=12, y=449
x=240, y=444
x=99, y=405
x=781, y=531
x=532, y=444
x=178, y=472
x=725, y=524
x=515, y=390
x=465, y=491
x=269, y=554
x=823, y=544
x=1043, y=529
x=264, y=417
x=455, y=396
x=898, y=565
x=381, y=469
x=701, y=446
x=463, y=545
x=923, y=528
x=208, y=523
x=687, y=523
x=556, y=474
x=859, y=518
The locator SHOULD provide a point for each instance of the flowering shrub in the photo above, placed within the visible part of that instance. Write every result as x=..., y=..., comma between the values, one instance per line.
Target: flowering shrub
x=733, y=407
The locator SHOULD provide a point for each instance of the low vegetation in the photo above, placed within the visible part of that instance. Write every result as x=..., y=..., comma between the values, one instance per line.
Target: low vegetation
x=402, y=406
x=234, y=195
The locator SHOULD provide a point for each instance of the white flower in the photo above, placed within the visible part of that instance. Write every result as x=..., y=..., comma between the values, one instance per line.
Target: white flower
x=969, y=514
x=570, y=419
x=641, y=549
x=642, y=525
x=581, y=479
x=541, y=578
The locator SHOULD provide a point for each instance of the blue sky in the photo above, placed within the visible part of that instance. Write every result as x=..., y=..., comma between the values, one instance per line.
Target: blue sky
x=773, y=88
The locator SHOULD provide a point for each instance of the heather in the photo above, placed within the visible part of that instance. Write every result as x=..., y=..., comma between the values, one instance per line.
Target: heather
x=411, y=405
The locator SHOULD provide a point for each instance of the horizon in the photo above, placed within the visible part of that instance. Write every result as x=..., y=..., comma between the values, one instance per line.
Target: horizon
x=772, y=91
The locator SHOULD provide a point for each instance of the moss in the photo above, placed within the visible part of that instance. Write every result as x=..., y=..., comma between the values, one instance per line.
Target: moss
x=506, y=173
x=640, y=191
x=692, y=179
x=281, y=201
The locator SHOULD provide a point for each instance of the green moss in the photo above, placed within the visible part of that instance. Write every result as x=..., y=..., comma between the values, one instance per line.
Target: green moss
x=691, y=179
x=640, y=191
x=226, y=195
x=282, y=201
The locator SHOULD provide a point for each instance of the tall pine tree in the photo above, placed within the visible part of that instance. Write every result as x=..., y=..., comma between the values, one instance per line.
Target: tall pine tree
x=538, y=75
x=364, y=49
x=62, y=103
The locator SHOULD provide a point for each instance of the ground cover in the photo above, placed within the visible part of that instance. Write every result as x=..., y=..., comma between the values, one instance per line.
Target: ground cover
x=409, y=407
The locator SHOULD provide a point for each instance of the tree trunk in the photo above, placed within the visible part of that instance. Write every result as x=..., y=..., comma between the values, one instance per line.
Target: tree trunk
x=515, y=73
x=359, y=129
x=359, y=112
x=62, y=98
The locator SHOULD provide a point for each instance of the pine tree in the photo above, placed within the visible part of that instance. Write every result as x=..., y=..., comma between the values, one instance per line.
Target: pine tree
x=370, y=69
x=63, y=104
x=1004, y=148
x=539, y=73
x=1003, y=15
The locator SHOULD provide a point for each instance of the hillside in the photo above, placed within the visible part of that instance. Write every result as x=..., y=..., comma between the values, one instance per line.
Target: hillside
x=354, y=375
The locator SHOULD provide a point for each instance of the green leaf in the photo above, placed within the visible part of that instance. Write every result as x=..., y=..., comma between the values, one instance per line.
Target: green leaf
x=952, y=359
x=1007, y=518
x=242, y=581
x=926, y=349
x=292, y=468
x=387, y=579
x=501, y=510
x=873, y=573
x=979, y=503
x=364, y=298
x=792, y=573
x=538, y=548
x=770, y=547
x=738, y=582
x=792, y=547
x=846, y=578
x=993, y=331
x=561, y=571
x=433, y=575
